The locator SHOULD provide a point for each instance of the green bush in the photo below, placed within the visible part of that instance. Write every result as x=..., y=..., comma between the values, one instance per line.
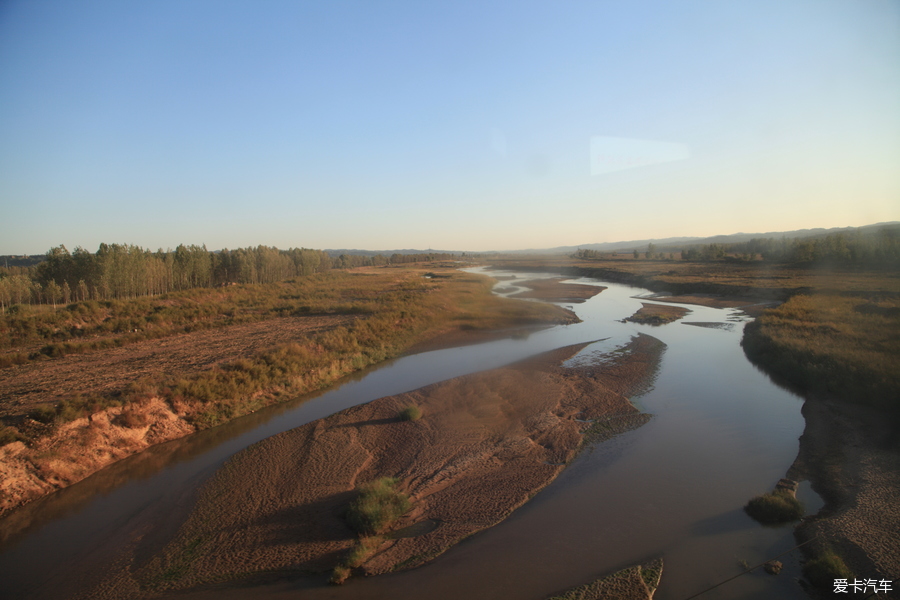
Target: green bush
x=377, y=506
x=8, y=435
x=774, y=508
x=823, y=570
x=339, y=575
x=411, y=413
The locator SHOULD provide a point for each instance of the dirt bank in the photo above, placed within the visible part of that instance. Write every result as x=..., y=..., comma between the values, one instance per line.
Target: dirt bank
x=851, y=455
x=484, y=445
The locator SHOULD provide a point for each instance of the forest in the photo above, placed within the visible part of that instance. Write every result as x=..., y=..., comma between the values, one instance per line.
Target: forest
x=118, y=271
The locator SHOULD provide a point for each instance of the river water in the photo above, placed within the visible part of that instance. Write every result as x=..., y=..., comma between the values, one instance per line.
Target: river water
x=721, y=433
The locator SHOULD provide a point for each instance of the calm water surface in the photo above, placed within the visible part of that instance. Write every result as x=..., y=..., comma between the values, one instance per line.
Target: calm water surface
x=721, y=433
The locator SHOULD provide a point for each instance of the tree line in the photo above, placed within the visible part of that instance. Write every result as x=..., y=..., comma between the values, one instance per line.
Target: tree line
x=880, y=248
x=126, y=271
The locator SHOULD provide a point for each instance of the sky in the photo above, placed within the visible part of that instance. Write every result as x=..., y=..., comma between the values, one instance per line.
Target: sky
x=455, y=126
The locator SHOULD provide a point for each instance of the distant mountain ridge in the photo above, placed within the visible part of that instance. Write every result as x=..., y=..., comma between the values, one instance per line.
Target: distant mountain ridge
x=662, y=244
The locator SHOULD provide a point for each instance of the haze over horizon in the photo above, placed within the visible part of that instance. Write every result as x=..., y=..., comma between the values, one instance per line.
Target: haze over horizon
x=461, y=127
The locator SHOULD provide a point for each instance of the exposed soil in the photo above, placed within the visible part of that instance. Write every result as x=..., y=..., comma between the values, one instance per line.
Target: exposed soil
x=657, y=314
x=553, y=290
x=24, y=387
x=484, y=445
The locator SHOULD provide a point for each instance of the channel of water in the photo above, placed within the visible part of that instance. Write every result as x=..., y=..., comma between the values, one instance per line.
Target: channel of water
x=722, y=432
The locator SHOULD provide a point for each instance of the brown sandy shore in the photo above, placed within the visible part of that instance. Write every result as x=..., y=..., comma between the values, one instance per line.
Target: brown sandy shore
x=554, y=290
x=484, y=445
x=657, y=314
x=851, y=455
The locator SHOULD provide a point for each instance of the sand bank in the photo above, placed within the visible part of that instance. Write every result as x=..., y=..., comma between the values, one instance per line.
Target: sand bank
x=554, y=290
x=484, y=445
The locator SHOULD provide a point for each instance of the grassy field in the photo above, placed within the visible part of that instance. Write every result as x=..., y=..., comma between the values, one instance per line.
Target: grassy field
x=845, y=347
x=395, y=307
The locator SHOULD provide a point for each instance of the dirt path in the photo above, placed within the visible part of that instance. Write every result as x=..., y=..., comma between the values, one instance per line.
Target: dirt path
x=26, y=386
x=484, y=445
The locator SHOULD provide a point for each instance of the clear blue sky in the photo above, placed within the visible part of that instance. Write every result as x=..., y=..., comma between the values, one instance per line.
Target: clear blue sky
x=387, y=125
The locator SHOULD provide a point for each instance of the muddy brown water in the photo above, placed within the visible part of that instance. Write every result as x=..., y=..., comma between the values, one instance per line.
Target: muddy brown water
x=722, y=432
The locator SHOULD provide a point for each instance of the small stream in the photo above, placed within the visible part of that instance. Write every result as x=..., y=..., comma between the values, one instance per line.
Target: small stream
x=722, y=432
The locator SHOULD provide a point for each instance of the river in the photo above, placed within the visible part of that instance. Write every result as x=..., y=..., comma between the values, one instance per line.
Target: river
x=721, y=433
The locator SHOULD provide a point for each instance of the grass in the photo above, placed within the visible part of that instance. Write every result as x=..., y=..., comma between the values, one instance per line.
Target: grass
x=840, y=346
x=43, y=332
x=411, y=413
x=397, y=308
x=775, y=508
x=824, y=569
x=378, y=505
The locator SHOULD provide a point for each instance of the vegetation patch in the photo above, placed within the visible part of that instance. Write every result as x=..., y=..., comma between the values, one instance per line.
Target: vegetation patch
x=844, y=347
x=411, y=413
x=378, y=505
x=824, y=569
x=775, y=508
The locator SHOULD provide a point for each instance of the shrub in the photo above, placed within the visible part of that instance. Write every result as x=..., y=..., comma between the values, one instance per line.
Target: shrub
x=363, y=550
x=8, y=435
x=44, y=414
x=823, y=570
x=339, y=575
x=377, y=506
x=411, y=413
x=774, y=508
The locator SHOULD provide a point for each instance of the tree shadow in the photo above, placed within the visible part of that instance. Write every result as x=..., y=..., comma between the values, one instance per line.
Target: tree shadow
x=319, y=521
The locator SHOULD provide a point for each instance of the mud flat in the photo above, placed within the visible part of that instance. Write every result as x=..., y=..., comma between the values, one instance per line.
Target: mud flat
x=554, y=290
x=851, y=456
x=485, y=443
x=657, y=314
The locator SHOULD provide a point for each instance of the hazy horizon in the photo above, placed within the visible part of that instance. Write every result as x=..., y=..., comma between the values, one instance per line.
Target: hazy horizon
x=462, y=127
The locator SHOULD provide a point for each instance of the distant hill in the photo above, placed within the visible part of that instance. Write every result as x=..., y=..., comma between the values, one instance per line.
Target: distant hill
x=676, y=243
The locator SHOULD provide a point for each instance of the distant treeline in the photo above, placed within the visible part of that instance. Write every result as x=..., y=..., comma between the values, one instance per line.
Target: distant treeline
x=880, y=248
x=127, y=271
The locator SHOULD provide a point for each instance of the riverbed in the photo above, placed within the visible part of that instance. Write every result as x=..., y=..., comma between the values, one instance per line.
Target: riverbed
x=721, y=433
